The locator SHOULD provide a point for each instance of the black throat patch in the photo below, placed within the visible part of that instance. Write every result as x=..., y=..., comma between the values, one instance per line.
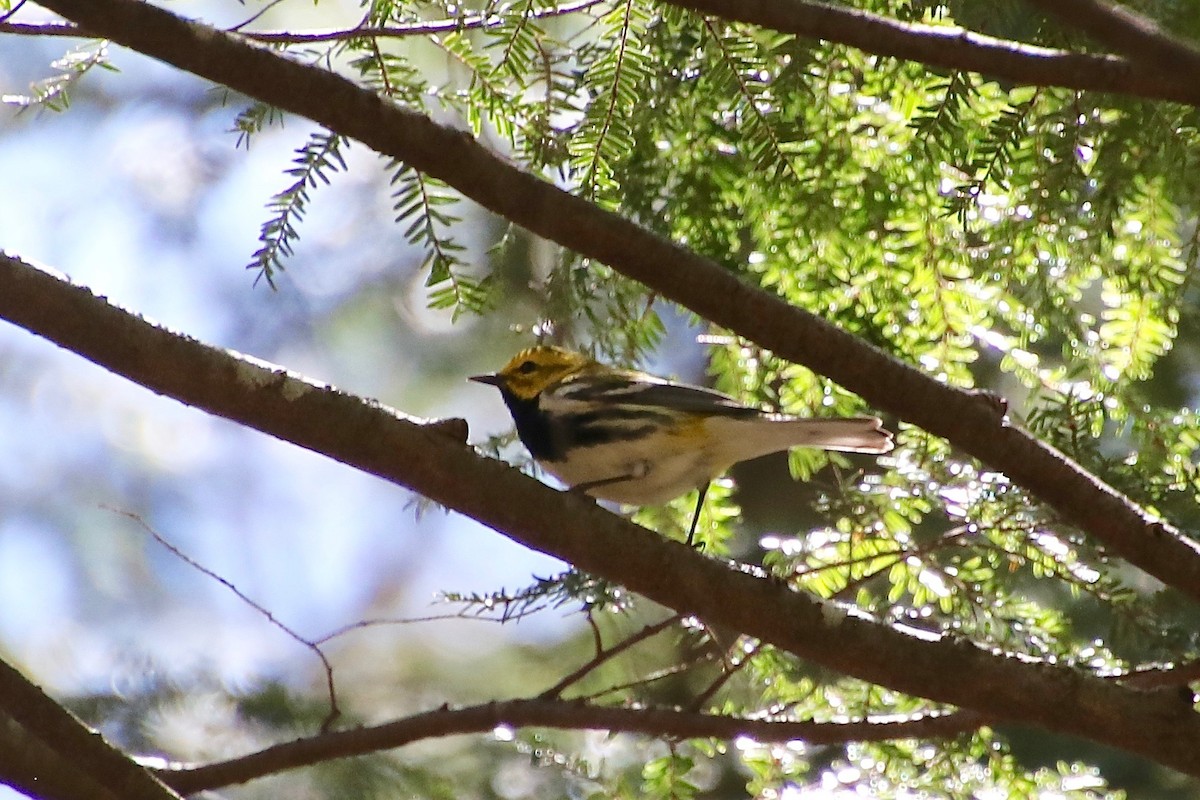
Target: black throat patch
x=535, y=429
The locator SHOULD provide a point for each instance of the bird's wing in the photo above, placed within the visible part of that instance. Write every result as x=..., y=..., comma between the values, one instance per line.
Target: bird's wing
x=640, y=389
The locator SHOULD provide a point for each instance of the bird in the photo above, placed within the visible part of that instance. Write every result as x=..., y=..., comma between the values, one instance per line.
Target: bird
x=636, y=439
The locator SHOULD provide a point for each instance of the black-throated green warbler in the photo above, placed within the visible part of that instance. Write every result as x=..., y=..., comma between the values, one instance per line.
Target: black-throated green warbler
x=636, y=439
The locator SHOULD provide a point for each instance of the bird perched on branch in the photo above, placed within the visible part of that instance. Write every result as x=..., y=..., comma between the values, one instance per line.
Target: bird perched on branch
x=633, y=438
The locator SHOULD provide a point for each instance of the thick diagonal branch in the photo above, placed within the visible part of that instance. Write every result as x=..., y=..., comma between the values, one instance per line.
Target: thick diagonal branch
x=364, y=435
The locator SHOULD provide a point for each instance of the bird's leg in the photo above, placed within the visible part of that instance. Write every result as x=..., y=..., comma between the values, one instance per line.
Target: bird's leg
x=696, y=516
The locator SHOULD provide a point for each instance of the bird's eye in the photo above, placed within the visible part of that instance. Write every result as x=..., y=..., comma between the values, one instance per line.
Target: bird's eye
x=526, y=367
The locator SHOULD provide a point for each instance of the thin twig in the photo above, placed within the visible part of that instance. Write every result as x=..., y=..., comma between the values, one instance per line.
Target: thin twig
x=597, y=639
x=256, y=15
x=387, y=621
x=334, y=711
x=604, y=655
x=12, y=11
x=728, y=672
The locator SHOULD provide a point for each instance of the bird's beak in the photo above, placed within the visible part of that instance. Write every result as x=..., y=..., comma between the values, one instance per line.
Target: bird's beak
x=491, y=380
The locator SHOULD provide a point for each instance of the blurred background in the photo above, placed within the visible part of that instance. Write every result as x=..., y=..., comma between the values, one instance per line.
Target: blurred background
x=142, y=192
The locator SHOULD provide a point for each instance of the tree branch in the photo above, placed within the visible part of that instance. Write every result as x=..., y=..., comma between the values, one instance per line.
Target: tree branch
x=34, y=768
x=377, y=440
x=956, y=48
x=559, y=714
x=1139, y=38
x=966, y=419
x=423, y=28
x=50, y=736
x=1177, y=675
x=44, y=29
x=399, y=31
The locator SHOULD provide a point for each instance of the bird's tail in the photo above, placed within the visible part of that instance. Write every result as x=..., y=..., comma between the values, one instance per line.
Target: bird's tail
x=849, y=434
x=769, y=433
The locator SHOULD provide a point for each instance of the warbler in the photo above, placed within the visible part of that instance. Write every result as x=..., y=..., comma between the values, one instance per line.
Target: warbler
x=636, y=439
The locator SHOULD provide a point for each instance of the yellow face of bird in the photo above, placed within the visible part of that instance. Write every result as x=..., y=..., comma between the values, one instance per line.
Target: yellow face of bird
x=530, y=371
